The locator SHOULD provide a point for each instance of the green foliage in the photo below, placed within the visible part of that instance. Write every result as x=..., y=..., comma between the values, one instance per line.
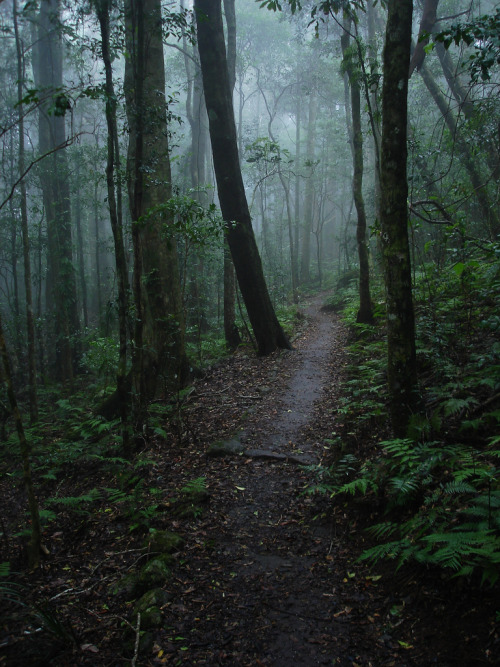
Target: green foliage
x=101, y=357
x=483, y=35
x=10, y=591
x=440, y=487
x=195, y=487
x=77, y=504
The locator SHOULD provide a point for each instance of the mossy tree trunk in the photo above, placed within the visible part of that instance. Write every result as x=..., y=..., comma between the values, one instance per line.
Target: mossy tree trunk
x=401, y=368
x=159, y=360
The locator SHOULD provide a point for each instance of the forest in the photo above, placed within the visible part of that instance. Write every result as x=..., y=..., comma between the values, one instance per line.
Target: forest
x=250, y=332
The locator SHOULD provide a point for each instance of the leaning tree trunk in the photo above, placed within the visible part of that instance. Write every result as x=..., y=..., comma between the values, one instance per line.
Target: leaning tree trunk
x=159, y=357
x=231, y=333
x=401, y=367
x=233, y=202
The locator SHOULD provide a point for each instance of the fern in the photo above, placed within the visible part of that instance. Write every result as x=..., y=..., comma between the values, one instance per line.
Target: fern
x=195, y=487
x=455, y=405
x=76, y=503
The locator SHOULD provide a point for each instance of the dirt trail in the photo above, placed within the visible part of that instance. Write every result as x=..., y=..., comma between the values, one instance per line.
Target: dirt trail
x=279, y=593
x=307, y=380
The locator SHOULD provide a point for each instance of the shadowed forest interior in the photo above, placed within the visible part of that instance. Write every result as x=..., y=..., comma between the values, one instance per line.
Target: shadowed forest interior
x=249, y=277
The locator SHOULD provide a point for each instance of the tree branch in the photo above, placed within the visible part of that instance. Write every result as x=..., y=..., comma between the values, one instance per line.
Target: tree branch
x=65, y=144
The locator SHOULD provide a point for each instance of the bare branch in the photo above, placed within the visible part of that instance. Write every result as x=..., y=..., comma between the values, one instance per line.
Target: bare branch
x=65, y=144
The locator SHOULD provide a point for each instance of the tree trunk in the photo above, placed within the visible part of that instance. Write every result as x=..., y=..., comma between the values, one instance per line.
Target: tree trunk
x=488, y=211
x=374, y=101
x=234, y=205
x=305, y=260
x=30, y=320
x=401, y=368
x=231, y=333
x=159, y=357
x=61, y=281
x=79, y=247
x=365, y=312
x=115, y=214
x=36, y=533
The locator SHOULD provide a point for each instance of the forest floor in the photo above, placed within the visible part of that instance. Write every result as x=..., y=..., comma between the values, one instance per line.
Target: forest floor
x=266, y=574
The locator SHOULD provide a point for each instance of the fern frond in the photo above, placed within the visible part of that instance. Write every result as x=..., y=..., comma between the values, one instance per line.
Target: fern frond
x=458, y=486
x=388, y=550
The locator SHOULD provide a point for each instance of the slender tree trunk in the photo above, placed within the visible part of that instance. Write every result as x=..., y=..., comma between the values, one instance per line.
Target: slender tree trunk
x=365, y=312
x=305, y=261
x=401, y=367
x=234, y=206
x=374, y=102
x=231, y=333
x=30, y=320
x=79, y=248
x=115, y=214
x=488, y=212
x=296, y=231
x=159, y=361
x=98, y=249
x=34, y=546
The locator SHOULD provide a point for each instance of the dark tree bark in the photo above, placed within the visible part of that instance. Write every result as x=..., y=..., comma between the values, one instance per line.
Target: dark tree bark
x=34, y=546
x=234, y=205
x=401, y=368
x=426, y=25
x=365, y=312
x=159, y=360
x=231, y=333
x=115, y=214
x=30, y=320
x=61, y=279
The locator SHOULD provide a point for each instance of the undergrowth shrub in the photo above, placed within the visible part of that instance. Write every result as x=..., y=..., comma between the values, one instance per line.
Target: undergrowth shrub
x=438, y=490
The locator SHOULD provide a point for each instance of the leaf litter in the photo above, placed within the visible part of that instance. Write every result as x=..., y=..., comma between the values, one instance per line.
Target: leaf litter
x=266, y=575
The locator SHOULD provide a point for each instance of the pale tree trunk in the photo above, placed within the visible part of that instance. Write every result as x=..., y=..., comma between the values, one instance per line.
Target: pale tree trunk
x=427, y=24
x=234, y=205
x=294, y=253
x=61, y=280
x=305, y=261
x=30, y=320
x=159, y=361
x=401, y=367
x=79, y=247
x=488, y=211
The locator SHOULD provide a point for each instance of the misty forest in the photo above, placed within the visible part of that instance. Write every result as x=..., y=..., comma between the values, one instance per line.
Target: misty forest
x=250, y=332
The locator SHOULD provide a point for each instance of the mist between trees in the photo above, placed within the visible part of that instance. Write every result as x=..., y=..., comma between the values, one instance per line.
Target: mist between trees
x=175, y=180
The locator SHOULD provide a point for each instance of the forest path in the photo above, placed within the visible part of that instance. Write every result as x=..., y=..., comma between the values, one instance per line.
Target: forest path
x=265, y=584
